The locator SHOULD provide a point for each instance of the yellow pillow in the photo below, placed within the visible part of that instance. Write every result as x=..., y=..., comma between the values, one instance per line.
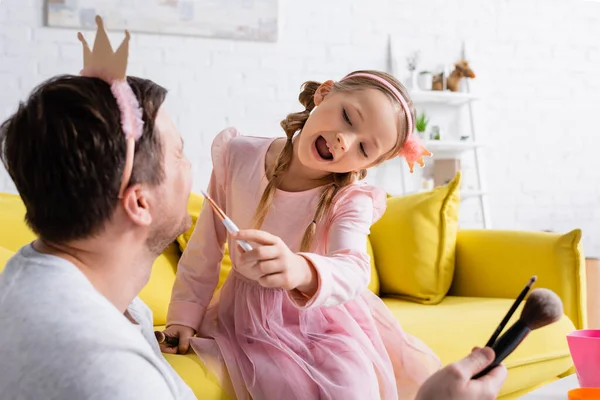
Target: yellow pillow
x=194, y=207
x=5, y=255
x=414, y=244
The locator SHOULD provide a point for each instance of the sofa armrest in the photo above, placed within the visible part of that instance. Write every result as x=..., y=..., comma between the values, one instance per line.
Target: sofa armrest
x=498, y=264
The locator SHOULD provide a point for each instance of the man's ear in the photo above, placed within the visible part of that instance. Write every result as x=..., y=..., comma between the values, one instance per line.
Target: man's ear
x=322, y=91
x=136, y=205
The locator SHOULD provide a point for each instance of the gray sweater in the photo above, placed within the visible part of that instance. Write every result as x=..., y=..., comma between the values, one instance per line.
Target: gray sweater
x=63, y=340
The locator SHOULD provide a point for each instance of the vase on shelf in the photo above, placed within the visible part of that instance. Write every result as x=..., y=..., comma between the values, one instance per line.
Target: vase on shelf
x=435, y=133
x=414, y=80
x=425, y=80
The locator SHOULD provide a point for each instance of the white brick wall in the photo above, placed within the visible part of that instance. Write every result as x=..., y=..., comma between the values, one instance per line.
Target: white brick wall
x=537, y=65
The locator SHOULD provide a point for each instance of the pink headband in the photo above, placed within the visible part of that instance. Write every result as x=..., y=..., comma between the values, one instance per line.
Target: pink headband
x=413, y=150
x=132, y=123
x=110, y=66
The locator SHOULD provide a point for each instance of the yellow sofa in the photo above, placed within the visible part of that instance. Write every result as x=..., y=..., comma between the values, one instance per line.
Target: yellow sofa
x=490, y=270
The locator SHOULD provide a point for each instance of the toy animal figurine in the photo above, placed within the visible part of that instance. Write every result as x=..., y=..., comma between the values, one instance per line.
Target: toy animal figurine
x=461, y=70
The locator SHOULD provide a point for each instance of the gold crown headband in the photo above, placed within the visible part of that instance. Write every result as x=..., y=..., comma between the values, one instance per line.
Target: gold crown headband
x=111, y=67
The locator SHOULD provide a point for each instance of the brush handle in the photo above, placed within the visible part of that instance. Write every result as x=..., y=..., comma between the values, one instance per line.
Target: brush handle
x=244, y=245
x=232, y=228
x=509, y=314
x=162, y=338
x=506, y=344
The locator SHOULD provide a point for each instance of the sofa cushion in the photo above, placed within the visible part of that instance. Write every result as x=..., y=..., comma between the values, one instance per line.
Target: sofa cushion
x=192, y=370
x=195, y=206
x=414, y=244
x=557, y=260
x=195, y=374
x=457, y=324
x=466, y=322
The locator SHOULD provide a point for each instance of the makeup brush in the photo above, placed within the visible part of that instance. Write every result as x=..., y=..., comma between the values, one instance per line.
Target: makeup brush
x=542, y=307
x=229, y=225
x=511, y=311
x=162, y=338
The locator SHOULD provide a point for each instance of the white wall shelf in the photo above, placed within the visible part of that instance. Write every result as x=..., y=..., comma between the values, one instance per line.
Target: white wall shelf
x=453, y=115
x=468, y=194
x=439, y=97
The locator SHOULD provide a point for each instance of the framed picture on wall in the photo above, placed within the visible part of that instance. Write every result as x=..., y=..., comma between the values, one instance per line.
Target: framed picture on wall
x=230, y=19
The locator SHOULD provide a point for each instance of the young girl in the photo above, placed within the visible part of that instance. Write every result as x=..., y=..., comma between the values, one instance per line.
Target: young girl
x=295, y=320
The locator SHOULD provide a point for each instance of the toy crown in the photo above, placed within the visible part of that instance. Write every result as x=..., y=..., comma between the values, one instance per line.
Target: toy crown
x=102, y=59
x=103, y=63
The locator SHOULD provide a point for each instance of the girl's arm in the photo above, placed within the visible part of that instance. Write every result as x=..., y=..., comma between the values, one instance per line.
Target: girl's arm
x=345, y=271
x=199, y=266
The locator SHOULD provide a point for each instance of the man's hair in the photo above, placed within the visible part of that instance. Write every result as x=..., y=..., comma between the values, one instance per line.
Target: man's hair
x=65, y=151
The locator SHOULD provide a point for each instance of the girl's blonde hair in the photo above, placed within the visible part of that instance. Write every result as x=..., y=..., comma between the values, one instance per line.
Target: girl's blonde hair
x=294, y=122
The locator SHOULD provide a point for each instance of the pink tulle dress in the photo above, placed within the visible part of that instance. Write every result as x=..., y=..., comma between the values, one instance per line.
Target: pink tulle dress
x=343, y=343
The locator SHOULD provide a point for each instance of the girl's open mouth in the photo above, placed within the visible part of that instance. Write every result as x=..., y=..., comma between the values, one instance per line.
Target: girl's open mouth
x=323, y=149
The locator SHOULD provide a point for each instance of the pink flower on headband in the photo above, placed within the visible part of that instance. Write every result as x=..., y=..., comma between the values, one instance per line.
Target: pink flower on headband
x=413, y=150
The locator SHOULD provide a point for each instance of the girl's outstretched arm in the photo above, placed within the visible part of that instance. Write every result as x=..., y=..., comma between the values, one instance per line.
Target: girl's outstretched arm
x=199, y=266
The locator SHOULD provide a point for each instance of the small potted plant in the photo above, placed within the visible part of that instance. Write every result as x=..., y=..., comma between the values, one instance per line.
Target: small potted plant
x=425, y=80
x=421, y=125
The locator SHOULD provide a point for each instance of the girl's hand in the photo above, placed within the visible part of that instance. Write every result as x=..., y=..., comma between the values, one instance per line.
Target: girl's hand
x=274, y=265
x=183, y=334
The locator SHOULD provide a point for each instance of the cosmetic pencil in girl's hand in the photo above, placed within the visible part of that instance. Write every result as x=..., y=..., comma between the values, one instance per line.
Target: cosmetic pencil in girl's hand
x=229, y=225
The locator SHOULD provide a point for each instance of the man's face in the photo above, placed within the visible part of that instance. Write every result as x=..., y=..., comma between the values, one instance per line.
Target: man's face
x=170, y=218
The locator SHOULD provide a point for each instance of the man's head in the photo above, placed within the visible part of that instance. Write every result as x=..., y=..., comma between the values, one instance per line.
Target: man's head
x=65, y=151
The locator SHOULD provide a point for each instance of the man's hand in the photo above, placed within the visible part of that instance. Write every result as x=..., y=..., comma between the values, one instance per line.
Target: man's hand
x=274, y=265
x=181, y=332
x=454, y=381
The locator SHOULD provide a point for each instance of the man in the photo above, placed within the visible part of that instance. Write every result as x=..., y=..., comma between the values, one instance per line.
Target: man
x=73, y=327
x=72, y=324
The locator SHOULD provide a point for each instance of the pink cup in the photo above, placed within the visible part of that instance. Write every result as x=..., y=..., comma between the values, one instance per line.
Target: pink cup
x=585, y=351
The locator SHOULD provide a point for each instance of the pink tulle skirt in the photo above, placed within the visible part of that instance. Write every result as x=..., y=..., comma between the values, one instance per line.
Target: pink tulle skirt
x=263, y=347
